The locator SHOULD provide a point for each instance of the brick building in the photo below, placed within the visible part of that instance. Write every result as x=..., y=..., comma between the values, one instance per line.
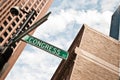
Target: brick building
x=9, y=24
x=92, y=56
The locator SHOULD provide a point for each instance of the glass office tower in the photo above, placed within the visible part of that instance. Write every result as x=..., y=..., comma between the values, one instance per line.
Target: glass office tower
x=115, y=25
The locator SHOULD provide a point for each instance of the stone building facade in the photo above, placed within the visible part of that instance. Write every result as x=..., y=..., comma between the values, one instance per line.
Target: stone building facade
x=92, y=56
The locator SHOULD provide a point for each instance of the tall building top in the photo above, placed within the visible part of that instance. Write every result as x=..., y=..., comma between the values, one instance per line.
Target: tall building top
x=115, y=25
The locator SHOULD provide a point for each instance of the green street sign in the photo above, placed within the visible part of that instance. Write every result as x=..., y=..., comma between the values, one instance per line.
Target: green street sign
x=45, y=46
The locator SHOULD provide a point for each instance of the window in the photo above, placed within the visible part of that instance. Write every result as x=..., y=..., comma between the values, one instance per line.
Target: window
x=33, y=18
x=23, y=20
x=42, y=4
x=45, y=0
x=35, y=5
x=17, y=19
x=1, y=39
x=27, y=26
x=5, y=34
x=13, y=23
x=9, y=39
x=35, y=14
x=20, y=15
x=27, y=16
x=26, y=8
x=23, y=2
x=14, y=45
x=29, y=3
x=5, y=23
x=9, y=29
x=30, y=21
x=1, y=28
x=9, y=18
x=20, y=24
x=38, y=10
x=37, y=2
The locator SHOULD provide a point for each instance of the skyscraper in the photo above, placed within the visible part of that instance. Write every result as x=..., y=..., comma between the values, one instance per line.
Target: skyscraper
x=115, y=25
x=92, y=56
x=9, y=24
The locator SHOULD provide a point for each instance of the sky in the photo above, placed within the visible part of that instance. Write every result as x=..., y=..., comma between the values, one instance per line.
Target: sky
x=60, y=30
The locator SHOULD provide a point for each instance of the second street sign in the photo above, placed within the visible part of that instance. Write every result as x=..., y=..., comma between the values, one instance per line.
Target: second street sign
x=45, y=46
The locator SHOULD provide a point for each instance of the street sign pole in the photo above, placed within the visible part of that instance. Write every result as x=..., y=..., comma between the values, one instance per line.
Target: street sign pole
x=45, y=46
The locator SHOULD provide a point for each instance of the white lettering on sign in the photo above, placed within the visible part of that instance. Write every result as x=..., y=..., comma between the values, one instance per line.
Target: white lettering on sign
x=44, y=46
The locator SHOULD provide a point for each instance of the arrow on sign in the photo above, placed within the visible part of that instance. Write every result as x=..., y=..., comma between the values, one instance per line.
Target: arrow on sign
x=46, y=46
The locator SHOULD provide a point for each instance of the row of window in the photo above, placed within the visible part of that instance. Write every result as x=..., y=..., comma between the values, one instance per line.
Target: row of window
x=9, y=29
x=13, y=45
x=36, y=5
x=5, y=34
x=20, y=15
x=41, y=5
x=5, y=23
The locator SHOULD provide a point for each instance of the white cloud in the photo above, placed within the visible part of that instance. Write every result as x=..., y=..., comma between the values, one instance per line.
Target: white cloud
x=95, y=19
x=55, y=24
x=59, y=22
x=76, y=4
x=100, y=5
x=109, y=4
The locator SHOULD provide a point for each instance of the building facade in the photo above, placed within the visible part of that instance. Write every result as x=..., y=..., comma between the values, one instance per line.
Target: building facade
x=92, y=56
x=9, y=24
